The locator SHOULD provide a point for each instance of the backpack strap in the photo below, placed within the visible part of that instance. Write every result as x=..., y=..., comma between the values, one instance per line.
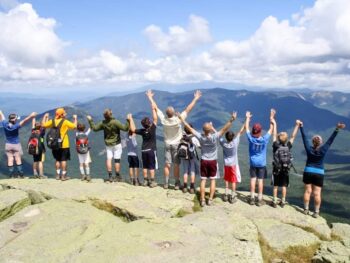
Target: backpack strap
x=59, y=128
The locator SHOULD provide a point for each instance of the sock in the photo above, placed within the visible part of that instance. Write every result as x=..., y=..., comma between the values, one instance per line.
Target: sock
x=192, y=185
x=260, y=197
x=82, y=172
x=252, y=195
x=167, y=180
x=231, y=192
x=64, y=173
x=283, y=199
x=185, y=185
x=117, y=174
x=58, y=171
x=20, y=169
x=226, y=191
x=275, y=199
x=306, y=206
x=87, y=170
x=317, y=210
x=35, y=172
x=109, y=174
x=11, y=170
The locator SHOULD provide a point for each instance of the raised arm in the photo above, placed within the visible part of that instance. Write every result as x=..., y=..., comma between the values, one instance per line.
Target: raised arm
x=193, y=131
x=32, y=115
x=2, y=117
x=93, y=126
x=190, y=106
x=132, y=123
x=228, y=124
x=45, y=118
x=272, y=120
x=75, y=120
x=150, y=95
x=274, y=130
x=154, y=114
x=33, y=123
x=248, y=117
x=241, y=130
x=303, y=136
x=295, y=131
x=330, y=140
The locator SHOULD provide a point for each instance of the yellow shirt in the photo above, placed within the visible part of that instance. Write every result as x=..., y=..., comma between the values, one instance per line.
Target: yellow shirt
x=66, y=126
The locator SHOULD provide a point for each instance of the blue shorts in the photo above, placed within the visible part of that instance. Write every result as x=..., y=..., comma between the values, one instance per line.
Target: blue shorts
x=258, y=172
x=149, y=160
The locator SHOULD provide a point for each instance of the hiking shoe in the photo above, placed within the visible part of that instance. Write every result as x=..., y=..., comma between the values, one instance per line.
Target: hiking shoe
x=260, y=202
x=251, y=201
x=210, y=202
x=145, y=182
x=65, y=178
x=153, y=184
x=192, y=191
x=21, y=176
x=166, y=186
x=36, y=176
x=202, y=203
x=42, y=177
x=83, y=177
x=177, y=185
x=274, y=204
x=88, y=178
x=58, y=177
x=118, y=178
x=282, y=204
x=224, y=198
x=137, y=182
x=232, y=199
x=316, y=215
x=184, y=190
x=306, y=212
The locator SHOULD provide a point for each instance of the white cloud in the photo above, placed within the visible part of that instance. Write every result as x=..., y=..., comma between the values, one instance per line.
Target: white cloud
x=180, y=40
x=309, y=50
x=27, y=38
x=8, y=4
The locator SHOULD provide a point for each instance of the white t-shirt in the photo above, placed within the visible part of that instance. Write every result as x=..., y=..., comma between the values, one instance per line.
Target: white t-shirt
x=172, y=127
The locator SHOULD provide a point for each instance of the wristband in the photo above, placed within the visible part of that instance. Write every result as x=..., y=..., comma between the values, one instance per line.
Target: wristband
x=337, y=129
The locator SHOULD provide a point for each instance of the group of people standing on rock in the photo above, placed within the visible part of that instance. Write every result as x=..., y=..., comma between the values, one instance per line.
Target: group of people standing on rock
x=182, y=146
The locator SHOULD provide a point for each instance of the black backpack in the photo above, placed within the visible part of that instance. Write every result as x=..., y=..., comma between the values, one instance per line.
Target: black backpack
x=34, y=146
x=282, y=158
x=53, y=137
x=82, y=143
x=186, y=149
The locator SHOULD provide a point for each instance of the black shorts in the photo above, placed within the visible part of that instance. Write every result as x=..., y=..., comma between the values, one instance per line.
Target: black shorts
x=38, y=157
x=280, y=178
x=149, y=160
x=61, y=155
x=133, y=161
x=258, y=172
x=313, y=178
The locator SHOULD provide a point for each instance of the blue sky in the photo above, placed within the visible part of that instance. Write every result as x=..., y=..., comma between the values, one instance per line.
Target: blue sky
x=59, y=44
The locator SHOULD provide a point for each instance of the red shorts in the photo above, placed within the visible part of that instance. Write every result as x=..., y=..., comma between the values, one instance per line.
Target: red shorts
x=230, y=174
x=208, y=168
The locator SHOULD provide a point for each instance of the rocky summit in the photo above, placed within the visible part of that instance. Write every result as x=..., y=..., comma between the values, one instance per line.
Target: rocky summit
x=74, y=221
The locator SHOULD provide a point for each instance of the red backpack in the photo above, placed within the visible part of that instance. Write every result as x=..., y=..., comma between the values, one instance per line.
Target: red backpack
x=34, y=145
x=82, y=143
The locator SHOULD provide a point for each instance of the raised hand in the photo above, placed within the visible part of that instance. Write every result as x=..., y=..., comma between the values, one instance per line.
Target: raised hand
x=129, y=116
x=149, y=93
x=341, y=125
x=248, y=115
x=234, y=115
x=89, y=117
x=272, y=113
x=298, y=122
x=75, y=116
x=197, y=94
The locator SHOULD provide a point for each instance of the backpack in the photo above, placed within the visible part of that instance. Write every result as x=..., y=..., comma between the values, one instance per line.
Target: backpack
x=53, y=137
x=34, y=146
x=82, y=143
x=282, y=158
x=186, y=149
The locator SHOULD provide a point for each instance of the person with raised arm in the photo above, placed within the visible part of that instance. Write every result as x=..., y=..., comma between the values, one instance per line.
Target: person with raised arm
x=111, y=132
x=172, y=136
x=232, y=174
x=314, y=172
x=58, y=140
x=257, y=156
x=13, y=146
x=282, y=162
x=149, y=145
x=209, y=154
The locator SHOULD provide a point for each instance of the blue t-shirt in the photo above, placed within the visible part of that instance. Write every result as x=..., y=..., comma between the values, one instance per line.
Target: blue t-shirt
x=11, y=132
x=257, y=149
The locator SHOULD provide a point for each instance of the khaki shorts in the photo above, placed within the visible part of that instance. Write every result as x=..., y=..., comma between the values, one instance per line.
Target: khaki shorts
x=13, y=150
x=171, y=154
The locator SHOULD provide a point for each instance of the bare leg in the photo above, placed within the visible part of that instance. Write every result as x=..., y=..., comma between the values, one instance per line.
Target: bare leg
x=202, y=189
x=212, y=188
x=252, y=187
x=117, y=168
x=41, y=168
x=261, y=187
x=131, y=173
x=109, y=165
x=144, y=173
x=177, y=172
x=307, y=194
x=275, y=193
x=284, y=192
x=185, y=177
x=136, y=175
x=167, y=172
x=152, y=173
x=316, y=190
